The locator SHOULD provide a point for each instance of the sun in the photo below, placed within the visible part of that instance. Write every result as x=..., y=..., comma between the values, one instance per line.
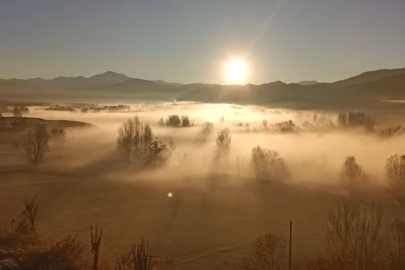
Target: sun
x=236, y=72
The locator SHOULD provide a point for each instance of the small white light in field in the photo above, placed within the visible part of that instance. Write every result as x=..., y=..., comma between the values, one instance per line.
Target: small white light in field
x=169, y=194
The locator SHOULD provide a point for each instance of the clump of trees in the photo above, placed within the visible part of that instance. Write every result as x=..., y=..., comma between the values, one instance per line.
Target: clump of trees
x=285, y=126
x=356, y=119
x=18, y=110
x=111, y=108
x=393, y=131
x=134, y=138
x=321, y=118
x=352, y=174
x=395, y=173
x=58, y=133
x=36, y=144
x=267, y=164
x=176, y=121
x=137, y=143
x=61, y=108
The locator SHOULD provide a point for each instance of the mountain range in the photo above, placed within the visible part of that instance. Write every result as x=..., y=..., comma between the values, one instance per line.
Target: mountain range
x=369, y=86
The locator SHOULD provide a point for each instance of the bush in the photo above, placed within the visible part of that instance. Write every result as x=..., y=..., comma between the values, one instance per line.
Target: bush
x=352, y=174
x=36, y=144
x=159, y=153
x=395, y=173
x=267, y=253
x=267, y=164
x=207, y=128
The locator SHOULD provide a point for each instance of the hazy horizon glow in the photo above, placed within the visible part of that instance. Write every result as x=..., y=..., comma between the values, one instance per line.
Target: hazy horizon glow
x=189, y=41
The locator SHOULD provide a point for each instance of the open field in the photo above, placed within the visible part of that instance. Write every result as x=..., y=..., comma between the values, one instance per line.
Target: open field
x=223, y=210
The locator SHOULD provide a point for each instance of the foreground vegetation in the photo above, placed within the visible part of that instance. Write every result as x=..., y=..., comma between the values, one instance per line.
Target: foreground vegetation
x=356, y=238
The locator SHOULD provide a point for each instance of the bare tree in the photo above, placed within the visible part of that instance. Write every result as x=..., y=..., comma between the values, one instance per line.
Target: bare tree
x=96, y=236
x=223, y=142
x=395, y=172
x=207, y=127
x=351, y=174
x=355, y=236
x=134, y=139
x=36, y=144
x=396, y=245
x=265, y=124
x=126, y=141
x=161, y=122
x=138, y=258
x=185, y=121
x=267, y=253
x=268, y=164
x=17, y=112
x=342, y=120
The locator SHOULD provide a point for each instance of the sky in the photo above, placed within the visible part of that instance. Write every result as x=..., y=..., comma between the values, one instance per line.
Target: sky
x=192, y=40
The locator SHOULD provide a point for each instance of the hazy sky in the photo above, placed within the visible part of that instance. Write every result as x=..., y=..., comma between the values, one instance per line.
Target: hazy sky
x=191, y=40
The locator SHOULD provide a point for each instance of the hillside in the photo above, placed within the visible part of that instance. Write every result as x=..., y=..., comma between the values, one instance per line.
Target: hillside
x=369, y=76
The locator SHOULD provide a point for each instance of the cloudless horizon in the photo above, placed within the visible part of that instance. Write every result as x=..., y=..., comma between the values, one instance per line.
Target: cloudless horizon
x=192, y=41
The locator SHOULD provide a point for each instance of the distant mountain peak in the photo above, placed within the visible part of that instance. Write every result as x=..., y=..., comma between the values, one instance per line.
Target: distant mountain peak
x=111, y=75
x=313, y=82
x=276, y=83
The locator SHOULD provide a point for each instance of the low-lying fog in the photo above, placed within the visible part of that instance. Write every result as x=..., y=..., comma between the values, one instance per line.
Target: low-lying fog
x=314, y=153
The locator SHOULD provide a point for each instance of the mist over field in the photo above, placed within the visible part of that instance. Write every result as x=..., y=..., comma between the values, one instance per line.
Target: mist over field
x=314, y=154
x=192, y=188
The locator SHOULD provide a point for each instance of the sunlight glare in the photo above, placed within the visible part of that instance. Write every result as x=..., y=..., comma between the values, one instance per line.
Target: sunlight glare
x=236, y=72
